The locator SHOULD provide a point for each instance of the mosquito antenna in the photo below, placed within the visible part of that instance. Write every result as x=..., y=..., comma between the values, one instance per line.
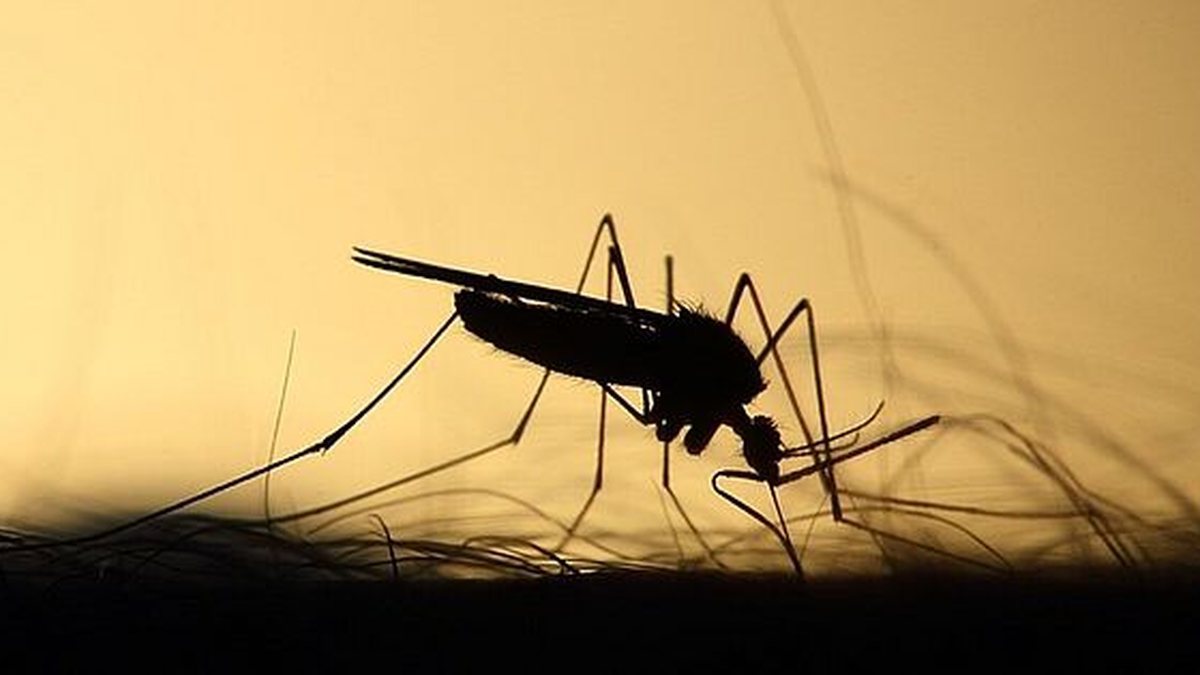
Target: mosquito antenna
x=818, y=446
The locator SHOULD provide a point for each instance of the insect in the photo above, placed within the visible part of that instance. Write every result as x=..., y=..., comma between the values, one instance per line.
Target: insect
x=693, y=370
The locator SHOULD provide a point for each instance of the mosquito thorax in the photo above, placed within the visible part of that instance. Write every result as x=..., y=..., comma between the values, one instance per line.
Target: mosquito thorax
x=706, y=367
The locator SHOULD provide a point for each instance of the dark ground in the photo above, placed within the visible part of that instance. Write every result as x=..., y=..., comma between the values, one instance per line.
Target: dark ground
x=624, y=621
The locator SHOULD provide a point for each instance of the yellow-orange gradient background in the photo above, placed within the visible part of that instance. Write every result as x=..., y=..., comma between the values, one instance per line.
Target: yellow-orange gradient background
x=182, y=184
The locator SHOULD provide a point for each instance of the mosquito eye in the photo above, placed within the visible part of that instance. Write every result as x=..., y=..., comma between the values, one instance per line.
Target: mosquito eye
x=762, y=456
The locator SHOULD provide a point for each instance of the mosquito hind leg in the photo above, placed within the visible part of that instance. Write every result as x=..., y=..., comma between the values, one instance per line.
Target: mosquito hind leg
x=821, y=455
x=325, y=444
x=666, y=445
x=781, y=531
x=669, y=263
x=512, y=439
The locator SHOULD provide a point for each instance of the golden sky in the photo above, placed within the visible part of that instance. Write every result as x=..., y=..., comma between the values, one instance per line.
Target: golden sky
x=183, y=183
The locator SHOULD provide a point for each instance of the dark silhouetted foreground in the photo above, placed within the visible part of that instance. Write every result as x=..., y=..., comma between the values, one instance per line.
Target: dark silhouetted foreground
x=201, y=595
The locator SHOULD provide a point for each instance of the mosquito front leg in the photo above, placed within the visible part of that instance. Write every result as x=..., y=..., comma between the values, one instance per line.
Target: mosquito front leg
x=669, y=264
x=780, y=532
x=745, y=286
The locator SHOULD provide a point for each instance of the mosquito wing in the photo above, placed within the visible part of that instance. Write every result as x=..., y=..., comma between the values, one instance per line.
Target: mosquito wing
x=490, y=283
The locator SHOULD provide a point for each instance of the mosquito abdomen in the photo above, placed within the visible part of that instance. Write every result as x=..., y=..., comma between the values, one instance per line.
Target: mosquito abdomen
x=603, y=347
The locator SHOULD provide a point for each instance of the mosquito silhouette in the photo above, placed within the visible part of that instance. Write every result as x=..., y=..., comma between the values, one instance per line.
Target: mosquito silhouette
x=692, y=368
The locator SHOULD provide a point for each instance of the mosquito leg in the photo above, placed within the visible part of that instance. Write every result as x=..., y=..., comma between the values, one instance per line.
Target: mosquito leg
x=616, y=264
x=321, y=446
x=666, y=446
x=781, y=532
x=998, y=564
x=616, y=267
x=616, y=261
x=745, y=286
x=512, y=439
x=614, y=256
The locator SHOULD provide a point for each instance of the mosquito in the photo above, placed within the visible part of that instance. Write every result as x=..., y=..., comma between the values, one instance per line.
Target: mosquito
x=692, y=369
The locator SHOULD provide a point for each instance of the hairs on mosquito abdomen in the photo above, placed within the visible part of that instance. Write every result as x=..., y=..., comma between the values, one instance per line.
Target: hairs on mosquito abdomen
x=691, y=357
x=597, y=346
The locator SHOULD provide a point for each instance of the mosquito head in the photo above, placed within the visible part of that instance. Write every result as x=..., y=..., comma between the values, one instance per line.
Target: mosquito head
x=762, y=447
